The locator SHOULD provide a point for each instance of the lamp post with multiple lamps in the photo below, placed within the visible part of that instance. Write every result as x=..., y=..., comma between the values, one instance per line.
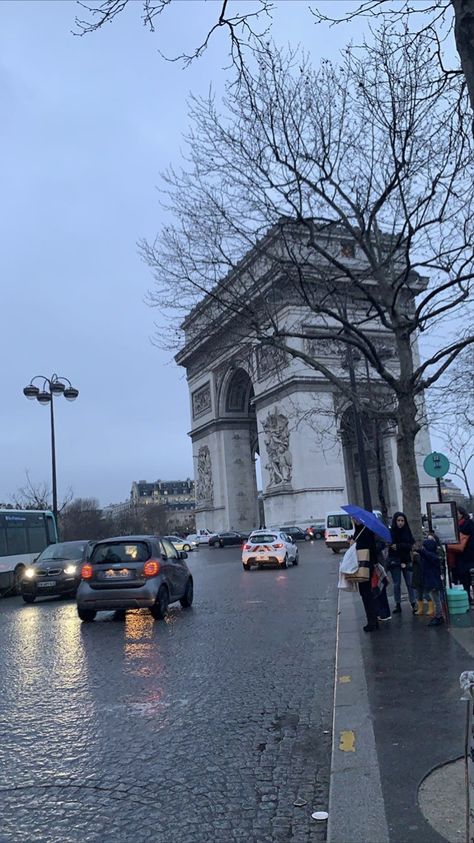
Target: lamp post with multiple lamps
x=50, y=387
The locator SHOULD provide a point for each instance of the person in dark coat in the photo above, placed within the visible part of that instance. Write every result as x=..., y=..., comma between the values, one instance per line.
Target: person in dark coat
x=400, y=561
x=367, y=554
x=430, y=564
x=463, y=551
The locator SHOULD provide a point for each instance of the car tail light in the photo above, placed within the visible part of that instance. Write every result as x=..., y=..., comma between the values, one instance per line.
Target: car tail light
x=151, y=568
x=246, y=546
x=86, y=572
x=278, y=545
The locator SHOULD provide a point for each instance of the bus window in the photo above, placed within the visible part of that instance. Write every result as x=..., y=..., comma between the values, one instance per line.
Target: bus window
x=16, y=538
x=36, y=538
x=51, y=529
x=3, y=541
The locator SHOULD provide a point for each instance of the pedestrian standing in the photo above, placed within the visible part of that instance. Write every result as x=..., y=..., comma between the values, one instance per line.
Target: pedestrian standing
x=367, y=556
x=463, y=551
x=400, y=560
x=430, y=564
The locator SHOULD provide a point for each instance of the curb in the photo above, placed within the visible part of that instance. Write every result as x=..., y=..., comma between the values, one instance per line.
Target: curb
x=356, y=804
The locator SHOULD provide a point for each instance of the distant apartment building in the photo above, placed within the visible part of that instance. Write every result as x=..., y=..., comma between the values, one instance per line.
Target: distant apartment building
x=451, y=492
x=177, y=495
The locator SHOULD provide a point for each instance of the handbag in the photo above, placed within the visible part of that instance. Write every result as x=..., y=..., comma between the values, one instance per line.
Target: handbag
x=363, y=570
x=349, y=562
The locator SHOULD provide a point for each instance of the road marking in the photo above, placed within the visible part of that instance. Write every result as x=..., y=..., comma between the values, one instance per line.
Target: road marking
x=347, y=741
x=344, y=679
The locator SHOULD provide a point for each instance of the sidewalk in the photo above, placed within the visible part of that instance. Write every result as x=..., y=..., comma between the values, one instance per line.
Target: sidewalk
x=397, y=716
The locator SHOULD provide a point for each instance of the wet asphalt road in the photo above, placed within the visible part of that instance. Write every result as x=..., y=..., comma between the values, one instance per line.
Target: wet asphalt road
x=201, y=729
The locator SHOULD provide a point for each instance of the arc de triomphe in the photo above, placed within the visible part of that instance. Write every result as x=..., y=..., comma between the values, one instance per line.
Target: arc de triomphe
x=248, y=400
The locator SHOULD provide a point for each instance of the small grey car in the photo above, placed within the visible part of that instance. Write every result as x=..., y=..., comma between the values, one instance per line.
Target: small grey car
x=134, y=572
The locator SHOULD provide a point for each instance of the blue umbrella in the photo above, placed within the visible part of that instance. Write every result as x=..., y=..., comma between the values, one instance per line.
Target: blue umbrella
x=368, y=519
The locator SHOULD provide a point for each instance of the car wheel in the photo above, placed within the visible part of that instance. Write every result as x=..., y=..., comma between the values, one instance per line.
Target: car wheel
x=29, y=598
x=284, y=564
x=296, y=559
x=18, y=575
x=160, y=607
x=215, y=544
x=307, y=538
x=245, y=566
x=186, y=547
x=187, y=598
x=86, y=615
x=221, y=543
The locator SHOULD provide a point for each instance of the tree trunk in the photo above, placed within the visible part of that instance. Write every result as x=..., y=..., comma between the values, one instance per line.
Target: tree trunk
x=408, y=427
x=464, y=35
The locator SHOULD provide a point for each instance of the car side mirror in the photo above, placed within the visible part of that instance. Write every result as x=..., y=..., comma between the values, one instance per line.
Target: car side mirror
x=182, y=554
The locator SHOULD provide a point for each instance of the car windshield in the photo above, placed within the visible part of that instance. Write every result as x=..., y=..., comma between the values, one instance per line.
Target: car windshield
x=256, y=538
x=344, y=522
x=126, y=551
x=62, y=551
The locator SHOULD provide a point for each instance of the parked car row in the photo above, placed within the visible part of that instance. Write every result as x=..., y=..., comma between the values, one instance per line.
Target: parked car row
x=232, y=537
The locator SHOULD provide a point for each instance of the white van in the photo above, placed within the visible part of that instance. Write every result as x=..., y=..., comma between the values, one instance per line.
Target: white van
x=339, y=529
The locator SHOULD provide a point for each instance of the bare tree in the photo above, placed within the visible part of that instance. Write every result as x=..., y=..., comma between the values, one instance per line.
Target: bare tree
x=311, y=184
x=248, y=31
x=243, y=29
x=37, y=496
x=435, y=19
x=141, y=519
x=82, y=518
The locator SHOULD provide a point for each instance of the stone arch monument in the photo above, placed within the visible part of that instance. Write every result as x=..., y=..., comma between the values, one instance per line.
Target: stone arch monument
x=248, y=400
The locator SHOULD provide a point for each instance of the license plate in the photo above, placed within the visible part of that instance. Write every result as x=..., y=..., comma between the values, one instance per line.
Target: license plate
x=261, y=557
x=343, y=536
x=48, y=584
x=111, y=573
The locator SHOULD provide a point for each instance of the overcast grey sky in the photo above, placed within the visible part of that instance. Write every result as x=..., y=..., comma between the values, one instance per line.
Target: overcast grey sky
x=87, y=124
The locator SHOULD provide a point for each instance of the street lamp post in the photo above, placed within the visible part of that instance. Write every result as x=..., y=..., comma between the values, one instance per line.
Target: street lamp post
x=55, y=385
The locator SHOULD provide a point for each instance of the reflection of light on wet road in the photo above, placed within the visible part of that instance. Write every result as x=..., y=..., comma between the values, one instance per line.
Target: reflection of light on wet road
x=281, y=577
x=141, y=648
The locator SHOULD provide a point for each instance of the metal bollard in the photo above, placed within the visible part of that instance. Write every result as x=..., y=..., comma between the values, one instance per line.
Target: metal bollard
x=466, y=681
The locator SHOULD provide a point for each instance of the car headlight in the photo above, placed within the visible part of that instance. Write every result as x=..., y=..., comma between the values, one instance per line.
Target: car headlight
x=30, y=573
x=70, y=569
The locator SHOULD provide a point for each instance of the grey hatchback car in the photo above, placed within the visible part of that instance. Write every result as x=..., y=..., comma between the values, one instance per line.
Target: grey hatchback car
x=134, y=572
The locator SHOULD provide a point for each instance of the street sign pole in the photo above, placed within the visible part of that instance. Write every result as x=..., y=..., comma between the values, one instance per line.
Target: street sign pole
x=437, y=465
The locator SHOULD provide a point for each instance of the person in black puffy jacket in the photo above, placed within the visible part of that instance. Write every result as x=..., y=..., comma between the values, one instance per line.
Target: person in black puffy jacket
x=400, y=561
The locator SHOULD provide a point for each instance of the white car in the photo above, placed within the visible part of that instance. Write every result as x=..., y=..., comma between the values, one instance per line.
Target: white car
x=269, y=547
x=195, y=539
x=181, y=544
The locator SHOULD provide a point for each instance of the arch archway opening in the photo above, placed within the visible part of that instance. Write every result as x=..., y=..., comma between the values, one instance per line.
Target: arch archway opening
x=242, y=472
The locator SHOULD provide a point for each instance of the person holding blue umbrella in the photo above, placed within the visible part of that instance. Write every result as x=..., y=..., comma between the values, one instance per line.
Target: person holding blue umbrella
x=367, y=527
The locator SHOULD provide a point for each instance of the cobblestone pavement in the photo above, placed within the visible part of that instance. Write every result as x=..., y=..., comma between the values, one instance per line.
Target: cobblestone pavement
x=206, y=728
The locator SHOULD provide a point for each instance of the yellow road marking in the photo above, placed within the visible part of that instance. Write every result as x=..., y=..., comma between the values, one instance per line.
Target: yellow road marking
x=344, y=679
x=347, y=741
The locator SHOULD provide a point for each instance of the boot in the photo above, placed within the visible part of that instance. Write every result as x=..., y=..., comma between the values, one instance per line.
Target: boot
x=414, y=607
x=397, y=610
x=430, y=608
x=420, y=607
x=436, y=622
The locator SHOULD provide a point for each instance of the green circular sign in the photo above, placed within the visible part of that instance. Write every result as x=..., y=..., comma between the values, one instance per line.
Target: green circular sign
x=436, y=465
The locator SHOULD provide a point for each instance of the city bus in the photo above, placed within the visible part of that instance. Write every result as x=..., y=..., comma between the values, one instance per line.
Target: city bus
x=24, y=533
